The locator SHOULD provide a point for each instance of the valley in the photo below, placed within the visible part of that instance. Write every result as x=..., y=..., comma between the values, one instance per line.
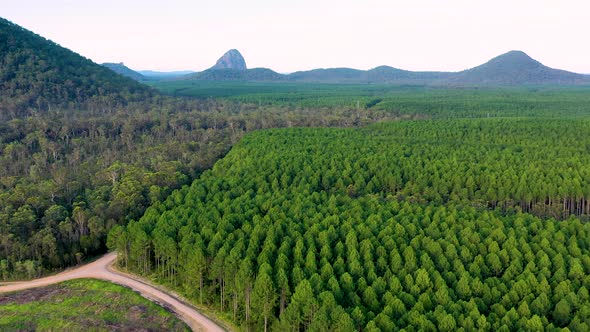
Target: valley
x=330, y=199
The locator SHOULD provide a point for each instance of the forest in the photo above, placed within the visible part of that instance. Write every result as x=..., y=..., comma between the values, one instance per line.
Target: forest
x=84, y=149
x=38, y=75
x=67, y=177
x=404, y=101
x=474, y=224
x=302, y=207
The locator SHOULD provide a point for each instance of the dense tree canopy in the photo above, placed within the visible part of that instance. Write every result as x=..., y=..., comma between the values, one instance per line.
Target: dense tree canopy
x=442, y=224
x=399, y=100
x=67, y=177
x=396, y=225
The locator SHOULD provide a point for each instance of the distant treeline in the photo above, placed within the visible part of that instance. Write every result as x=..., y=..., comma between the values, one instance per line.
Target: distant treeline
x=398, y=100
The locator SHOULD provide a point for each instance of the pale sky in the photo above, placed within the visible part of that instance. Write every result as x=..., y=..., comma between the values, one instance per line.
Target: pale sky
x=287, y=36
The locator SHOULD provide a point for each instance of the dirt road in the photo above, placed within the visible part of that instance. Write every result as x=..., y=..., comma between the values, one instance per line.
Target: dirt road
x=101, y=269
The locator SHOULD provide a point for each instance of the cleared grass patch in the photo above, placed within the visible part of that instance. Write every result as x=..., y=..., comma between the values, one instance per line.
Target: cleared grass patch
x=84, y=305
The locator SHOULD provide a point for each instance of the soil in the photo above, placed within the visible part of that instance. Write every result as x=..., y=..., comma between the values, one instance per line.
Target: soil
x=30, y=295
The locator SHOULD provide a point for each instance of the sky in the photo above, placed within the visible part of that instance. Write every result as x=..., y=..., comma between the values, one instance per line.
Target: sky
x=287, y=36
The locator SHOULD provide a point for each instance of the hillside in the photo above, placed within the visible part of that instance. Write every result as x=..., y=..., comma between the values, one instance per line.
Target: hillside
x=516, y=68
x=121, y=69
x=38, y=75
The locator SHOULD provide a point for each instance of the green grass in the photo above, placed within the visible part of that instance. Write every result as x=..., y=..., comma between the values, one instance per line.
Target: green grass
x=84, y=305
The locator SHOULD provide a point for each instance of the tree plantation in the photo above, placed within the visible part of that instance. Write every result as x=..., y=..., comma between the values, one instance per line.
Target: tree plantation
x=419, y=225
x=398, y=100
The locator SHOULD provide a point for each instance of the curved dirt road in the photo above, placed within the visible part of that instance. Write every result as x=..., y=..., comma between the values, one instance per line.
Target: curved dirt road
x=100, y=269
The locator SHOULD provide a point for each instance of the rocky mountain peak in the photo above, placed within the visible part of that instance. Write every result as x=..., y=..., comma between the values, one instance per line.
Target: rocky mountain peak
x=232, y=59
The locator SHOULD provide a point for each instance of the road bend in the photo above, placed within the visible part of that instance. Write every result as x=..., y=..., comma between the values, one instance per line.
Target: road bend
x=102, y=269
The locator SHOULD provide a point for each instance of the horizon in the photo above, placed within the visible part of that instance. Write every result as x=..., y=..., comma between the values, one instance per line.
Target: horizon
x=427, y=36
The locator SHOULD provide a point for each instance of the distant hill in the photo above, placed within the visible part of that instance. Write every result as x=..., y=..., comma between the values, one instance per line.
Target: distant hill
x=386, y=74
x=329, y=75
x=510, y=69
x=516, y=68
x=121, y=69
x=255, y=74
x=232, y=59
x=382, y=74
x=164, y=74
x=232, y=67
x=37, y=75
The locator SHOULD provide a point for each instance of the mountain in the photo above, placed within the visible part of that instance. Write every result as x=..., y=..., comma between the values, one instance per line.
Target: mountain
x=386, y=74
x=254, y=74
x=329, y=75
x=121, y=69
x=232, y=59
x=38, y=75
x=232, y=67
x=510, y=69
x=516, y=68
x=382, y=74
x=164, y=74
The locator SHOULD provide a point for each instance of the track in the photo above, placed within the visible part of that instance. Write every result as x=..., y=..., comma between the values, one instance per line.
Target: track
x=101, y=269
